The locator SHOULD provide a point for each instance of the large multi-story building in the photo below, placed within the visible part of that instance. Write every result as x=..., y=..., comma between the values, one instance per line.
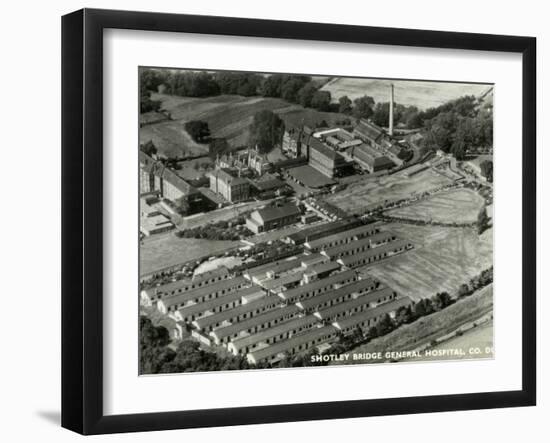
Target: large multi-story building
x=233, y=189
x=371, y=158
x=324, y=159
x=295, y=141
x=156, y=177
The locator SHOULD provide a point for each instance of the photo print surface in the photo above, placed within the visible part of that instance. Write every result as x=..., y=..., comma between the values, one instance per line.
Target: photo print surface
x=291, y=220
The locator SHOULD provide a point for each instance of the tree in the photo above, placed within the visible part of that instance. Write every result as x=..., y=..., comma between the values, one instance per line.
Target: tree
x=423, y=307
x=271, y=86
x=363, y=107
x=217, y=146
x=441, y=300
x=344, y=105
x=146, y=104
x=182, y=205
x=321, y=101
x=463, y=290
x=305, y=95
x=404, y=315
x=486, y=167
x=198, y=130
x=385, y=325
x=149, y=148
x=381, y=114
x=153, y=350
x=266, y=131
x=289, y=90
x=482, y=221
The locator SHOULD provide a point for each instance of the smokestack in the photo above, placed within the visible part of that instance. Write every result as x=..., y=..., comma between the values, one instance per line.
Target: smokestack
x=391, y=110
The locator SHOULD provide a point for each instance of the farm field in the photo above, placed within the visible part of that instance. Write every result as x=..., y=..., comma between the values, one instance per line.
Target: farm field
x=425, y=329
x=228, y=116
x=418, y=93
x=442, y=259
x=163, y=250
x=371, y=192
x=457, y=205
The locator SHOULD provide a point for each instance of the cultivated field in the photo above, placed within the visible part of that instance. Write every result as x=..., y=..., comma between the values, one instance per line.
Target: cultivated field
x=418, y=93
x=424, y=330
x=442, y=259
x=163, y=250
x=457, y=205
x=228, y=116
x=371, y=192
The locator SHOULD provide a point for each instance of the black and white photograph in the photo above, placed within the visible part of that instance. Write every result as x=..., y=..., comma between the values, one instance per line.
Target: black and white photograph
x=290, y=220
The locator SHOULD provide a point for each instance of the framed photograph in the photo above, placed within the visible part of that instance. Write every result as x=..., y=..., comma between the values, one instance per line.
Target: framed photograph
x=271, y=221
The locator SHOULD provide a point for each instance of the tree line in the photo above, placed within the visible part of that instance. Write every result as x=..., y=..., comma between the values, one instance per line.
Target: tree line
x=458, y=127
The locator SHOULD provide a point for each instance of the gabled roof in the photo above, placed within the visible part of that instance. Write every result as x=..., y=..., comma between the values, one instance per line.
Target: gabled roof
x=369, y=130
x=323, y=149
x=281, y=328
x=351, y=305
x=299, y=293
x=226, y=177
x=276, y=212
x=313, y=336
x=371, y=156
x=178, y=182
x=351, y=288
x=357, y=319
x=257, y=320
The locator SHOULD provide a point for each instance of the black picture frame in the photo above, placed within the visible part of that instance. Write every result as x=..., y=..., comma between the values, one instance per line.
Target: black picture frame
x=82, y=218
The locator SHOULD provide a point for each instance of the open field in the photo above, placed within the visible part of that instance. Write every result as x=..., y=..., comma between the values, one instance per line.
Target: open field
x=163, y=250
x=171, y=139
x=442, y=259
x=480, y=337
x=424, y=330
x=374, y=191
x=418, y=93
x=457, y=205
x=227, y=116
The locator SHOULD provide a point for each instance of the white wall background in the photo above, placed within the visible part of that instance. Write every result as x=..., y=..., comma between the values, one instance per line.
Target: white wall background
x=30, y=221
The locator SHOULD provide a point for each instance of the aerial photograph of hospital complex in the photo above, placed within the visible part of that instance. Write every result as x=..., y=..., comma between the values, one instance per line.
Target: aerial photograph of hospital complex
x=290, y=220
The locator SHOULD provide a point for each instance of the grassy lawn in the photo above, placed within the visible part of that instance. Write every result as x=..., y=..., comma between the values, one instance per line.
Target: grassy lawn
x=171, y=139
x=162, y=250
x=417, y=93
x=426, y=329
x=374, y=191
x=228, y=116
x=458, y=205
x=442, y=259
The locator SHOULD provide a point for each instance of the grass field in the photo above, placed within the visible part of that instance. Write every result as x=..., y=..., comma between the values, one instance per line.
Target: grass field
x=431, y=327
x=228, y=116
x=418, y=93
x=171, y=139
x=479, y=337
x=374, y=191
x=442, y=259
x=457, y=205
x=163, y=250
